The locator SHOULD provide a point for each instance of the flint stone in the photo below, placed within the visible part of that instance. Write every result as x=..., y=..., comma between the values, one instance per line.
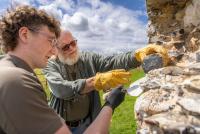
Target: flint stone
x=198, y=57
x=190, y=104
x=155, y=101
x=168, y=87
x=153, y=61
x=195, y=67
x=174, y=122
x=150, y=85
x=173, y=70
x=193, y=84
x=176, y=55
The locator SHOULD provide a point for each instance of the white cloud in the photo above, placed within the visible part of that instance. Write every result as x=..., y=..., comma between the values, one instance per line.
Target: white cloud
x=66, y=5
x=21, y=2
x=77, y=22
x=99, y=26
x=52, y=9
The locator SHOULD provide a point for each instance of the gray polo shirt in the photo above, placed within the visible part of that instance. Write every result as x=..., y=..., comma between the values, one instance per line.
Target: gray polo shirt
x=23, y=104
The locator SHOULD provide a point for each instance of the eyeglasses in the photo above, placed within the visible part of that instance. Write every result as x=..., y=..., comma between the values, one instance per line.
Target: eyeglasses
x=67, y=46
x=53, y=41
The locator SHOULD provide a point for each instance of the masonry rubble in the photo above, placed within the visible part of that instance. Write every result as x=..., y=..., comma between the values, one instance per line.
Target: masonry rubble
x=170, y=103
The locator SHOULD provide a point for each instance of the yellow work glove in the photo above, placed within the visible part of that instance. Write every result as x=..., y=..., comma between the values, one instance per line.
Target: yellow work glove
x=111, y=79
x=140, y=54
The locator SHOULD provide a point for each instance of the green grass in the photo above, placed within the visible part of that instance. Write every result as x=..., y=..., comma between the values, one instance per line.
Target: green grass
x=123, y=121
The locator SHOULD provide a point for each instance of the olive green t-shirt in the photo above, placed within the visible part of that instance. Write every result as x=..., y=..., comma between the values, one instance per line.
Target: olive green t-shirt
x=23, y=104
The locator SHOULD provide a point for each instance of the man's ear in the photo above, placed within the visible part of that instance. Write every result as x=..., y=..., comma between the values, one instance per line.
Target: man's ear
x=23, y=34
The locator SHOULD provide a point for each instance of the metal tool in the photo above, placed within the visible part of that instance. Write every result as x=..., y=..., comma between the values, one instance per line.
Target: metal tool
x=134, y=88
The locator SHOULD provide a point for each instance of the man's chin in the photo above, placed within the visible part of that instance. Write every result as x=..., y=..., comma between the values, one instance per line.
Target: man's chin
x=69, y=60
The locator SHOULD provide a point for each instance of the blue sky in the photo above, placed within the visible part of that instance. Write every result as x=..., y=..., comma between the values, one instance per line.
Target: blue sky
x=132, y=5
x=103, y=26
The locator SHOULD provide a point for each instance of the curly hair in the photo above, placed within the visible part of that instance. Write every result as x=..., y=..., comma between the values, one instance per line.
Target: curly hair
x=24, y=16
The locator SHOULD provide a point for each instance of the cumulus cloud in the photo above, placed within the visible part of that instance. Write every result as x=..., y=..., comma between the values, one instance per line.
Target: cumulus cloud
x=99, y=26
x=21, y=2
x=52, y=9
x=77, y=22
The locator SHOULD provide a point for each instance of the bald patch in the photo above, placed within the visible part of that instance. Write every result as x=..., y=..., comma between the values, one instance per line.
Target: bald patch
x=66, y=37
x=66, y=34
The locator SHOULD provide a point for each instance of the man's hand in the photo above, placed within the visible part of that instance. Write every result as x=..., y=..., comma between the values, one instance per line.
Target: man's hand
x=111, y=79
x=140, y=54
x=115, y=98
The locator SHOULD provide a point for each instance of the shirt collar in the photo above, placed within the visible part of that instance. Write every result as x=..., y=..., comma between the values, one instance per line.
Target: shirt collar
x=19, y=63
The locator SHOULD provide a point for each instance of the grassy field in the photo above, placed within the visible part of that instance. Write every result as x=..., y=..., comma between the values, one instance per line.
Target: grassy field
x=123, y=121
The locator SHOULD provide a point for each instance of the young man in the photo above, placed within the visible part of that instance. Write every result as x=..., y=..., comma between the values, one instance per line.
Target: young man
x=29, y=36
x=74, y=79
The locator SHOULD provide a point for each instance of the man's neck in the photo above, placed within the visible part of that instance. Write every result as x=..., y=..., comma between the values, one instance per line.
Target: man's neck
x=21, y=56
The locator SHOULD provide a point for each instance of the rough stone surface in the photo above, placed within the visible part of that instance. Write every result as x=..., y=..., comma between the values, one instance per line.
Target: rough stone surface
x=170, y=103
x=151, y=62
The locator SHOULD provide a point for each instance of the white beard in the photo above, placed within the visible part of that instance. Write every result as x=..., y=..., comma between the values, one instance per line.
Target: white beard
x=69, y=61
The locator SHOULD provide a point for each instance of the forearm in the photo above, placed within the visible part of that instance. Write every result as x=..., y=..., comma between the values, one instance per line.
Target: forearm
x=125, y=61
x=128, y=61
x=101, y=124
x=63, y=130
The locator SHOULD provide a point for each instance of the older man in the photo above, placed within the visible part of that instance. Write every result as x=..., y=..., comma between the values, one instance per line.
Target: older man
x=74, y=80
x=29, y=36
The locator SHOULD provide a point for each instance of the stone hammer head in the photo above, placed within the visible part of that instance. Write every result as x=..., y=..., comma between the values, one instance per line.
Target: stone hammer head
x=155, y=61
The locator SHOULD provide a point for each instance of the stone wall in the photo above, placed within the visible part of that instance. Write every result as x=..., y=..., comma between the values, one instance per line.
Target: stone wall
x=170, y=103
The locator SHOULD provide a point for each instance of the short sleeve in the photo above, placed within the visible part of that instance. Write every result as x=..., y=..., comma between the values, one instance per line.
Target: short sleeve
x=24, y=106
